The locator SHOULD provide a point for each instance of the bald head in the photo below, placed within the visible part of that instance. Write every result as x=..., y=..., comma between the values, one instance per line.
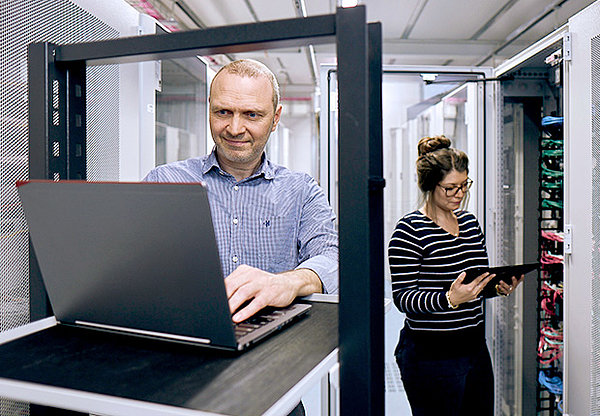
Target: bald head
x=251, y=69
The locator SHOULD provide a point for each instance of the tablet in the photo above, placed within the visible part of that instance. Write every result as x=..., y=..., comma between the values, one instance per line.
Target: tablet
x=502, y=272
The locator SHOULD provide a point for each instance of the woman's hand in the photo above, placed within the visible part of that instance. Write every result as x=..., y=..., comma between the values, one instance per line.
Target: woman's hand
x=461, y=293
x=504, y=289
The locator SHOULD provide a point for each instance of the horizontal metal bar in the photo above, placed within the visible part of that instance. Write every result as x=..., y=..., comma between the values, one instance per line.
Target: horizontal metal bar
x=235, y=38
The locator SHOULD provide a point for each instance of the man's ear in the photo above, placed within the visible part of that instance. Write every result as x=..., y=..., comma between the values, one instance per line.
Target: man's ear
x=276, y=117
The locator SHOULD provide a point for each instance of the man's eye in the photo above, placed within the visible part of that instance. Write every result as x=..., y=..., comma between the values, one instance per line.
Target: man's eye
x=252, y=115
x=222, y=112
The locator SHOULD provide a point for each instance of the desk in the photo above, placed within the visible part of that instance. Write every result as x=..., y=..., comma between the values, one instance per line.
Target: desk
x=110, y=374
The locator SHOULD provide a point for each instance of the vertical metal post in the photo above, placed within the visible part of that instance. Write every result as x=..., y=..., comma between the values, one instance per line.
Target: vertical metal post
x=40, y=78
x=56, y=136
x=361, y=304
x=76, y=126
x=56, y=115
x=376, y=221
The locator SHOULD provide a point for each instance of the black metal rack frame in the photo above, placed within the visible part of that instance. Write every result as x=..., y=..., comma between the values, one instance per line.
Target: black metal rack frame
x=57, y=140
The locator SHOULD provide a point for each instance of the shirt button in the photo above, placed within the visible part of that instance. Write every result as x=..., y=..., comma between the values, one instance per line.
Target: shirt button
x=236, y=188
x=235, y=221
x=235, y=259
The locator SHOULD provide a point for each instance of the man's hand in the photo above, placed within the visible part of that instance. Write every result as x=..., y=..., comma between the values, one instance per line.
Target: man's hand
x=263, y=289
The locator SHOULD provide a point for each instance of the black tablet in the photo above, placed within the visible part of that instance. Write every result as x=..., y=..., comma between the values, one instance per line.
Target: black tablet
x=502, y=272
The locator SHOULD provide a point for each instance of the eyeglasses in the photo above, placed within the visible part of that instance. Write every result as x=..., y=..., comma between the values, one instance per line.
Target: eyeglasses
x=453, y=190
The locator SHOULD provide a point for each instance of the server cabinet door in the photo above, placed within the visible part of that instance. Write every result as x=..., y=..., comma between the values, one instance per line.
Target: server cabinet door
x=582, y=205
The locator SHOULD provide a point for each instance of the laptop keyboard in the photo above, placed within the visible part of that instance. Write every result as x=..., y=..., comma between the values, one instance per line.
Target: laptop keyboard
x=257, y=321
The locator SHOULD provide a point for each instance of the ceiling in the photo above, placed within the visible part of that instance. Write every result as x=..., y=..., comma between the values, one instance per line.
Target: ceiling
x=415, y=32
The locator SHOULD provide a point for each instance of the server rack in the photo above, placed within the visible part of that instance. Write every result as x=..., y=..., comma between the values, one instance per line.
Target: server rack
x=528, y=90
x=578, y=220
x=62, y=21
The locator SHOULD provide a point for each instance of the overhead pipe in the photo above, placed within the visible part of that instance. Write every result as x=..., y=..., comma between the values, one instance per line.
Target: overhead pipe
x=524, y=28
x=198, y=22
x=300, y=6
x=414, y=18
x=495, y=17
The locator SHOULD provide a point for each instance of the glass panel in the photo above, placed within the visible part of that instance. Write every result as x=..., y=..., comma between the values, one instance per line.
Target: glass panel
x=181, y=110
x=415, y=104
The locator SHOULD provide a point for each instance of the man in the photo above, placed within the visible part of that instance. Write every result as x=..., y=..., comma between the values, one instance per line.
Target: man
x=274, y=227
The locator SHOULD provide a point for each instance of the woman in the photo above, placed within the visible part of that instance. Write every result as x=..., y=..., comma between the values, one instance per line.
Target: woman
x=442, y=354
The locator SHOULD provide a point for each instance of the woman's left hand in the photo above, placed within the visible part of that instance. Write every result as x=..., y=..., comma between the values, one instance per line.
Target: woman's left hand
x=504, y=289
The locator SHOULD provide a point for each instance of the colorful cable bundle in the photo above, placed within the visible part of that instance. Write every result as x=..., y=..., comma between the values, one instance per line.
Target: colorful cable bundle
x=550, y=345
x=553, y=236
x=548, y=258
x=552, y=297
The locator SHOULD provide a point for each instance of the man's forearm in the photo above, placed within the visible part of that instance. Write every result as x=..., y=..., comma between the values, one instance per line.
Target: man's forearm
x=304, y=281
x=325, y=266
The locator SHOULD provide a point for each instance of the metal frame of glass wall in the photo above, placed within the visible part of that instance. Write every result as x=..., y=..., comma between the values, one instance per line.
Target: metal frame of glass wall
x=57, y=101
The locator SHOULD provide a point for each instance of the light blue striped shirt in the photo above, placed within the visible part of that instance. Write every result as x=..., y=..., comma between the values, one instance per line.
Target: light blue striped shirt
x=276, y=220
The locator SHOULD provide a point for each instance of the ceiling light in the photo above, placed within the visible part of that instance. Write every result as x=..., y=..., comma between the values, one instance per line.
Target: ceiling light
x=349, y=3
x=429, y=77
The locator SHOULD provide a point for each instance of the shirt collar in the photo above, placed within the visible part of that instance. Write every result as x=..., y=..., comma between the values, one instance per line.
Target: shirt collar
x=265, y=169
x=210, y=162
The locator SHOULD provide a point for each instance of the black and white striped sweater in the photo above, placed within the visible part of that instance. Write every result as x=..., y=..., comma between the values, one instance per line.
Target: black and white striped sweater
x=424, y=261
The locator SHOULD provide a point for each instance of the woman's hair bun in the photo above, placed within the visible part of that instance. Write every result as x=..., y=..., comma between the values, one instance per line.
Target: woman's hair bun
x=431, y=144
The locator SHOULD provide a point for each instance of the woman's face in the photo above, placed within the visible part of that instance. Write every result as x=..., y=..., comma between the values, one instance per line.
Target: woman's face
x=449, y=193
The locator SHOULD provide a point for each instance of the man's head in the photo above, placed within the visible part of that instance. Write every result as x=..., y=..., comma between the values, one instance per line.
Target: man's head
x=244, y=111
x=252, y=69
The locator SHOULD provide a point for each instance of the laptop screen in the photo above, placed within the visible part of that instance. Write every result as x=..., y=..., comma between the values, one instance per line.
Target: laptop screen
x=134, y=255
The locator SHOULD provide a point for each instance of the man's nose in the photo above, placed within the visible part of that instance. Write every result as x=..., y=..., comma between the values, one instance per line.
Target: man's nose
x=237, y=126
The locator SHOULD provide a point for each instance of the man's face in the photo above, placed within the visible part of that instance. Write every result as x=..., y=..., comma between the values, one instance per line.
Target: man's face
x=241, y=119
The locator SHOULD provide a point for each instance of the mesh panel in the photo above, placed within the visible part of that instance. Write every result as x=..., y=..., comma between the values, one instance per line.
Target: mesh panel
x=23, y=22
x=502, y=315
x=595, y=283
x=8, y=407
x=102, y=108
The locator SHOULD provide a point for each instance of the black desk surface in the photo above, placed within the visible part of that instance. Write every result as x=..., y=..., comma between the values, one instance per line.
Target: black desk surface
x=174, y=374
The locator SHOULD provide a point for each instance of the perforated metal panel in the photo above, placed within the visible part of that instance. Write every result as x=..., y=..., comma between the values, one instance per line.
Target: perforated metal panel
x=595, y=283
x=102, y=123
x=502, y=316
x=23, y=22
x=10, y=408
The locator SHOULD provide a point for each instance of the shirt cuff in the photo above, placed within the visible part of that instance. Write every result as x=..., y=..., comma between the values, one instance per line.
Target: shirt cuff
x=326, y=269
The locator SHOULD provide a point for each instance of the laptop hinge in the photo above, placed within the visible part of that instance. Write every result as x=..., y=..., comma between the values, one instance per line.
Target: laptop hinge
x=144, y=332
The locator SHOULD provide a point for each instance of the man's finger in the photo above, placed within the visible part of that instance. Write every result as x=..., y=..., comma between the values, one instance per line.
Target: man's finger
x=242, y=295
x=239, y=277
x=253, y=307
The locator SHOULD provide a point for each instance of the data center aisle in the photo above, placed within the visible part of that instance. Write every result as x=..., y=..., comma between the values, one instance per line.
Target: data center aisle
x=396, y=403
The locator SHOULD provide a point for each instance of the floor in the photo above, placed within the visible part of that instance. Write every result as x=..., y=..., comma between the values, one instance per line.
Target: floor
x=396, y=403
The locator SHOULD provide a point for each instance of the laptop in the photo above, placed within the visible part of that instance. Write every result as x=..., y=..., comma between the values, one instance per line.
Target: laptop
x=137, y=258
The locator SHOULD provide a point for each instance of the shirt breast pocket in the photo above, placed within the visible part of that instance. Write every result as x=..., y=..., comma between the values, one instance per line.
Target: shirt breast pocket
x=276, y=243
